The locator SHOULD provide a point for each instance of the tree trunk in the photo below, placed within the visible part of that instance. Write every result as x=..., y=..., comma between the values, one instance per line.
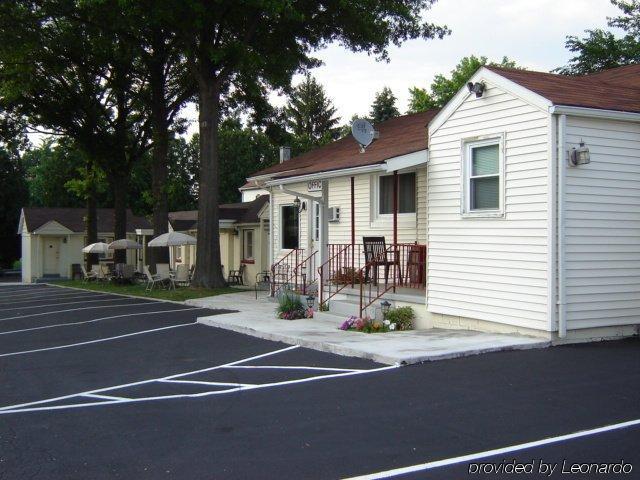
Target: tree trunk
x=120, y=186
x=159, y=167
x=208, y=272
x=91, y=220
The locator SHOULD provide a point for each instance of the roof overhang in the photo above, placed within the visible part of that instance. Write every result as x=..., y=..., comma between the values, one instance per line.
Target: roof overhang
x=402, y=162
x=144, y=231
x=594, y=113
x=485, y=75
x=53, y=227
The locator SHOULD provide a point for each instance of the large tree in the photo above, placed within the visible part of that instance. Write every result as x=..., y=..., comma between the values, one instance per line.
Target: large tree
x=443, y=87
x=384, y=106
x=62, y=72
x=600, y=50
x=246, y=48
x=310, y=114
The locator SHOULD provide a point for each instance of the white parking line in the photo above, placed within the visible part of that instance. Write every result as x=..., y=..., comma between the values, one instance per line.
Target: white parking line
x=74, y=310
x=141, y=382
x=69, y=324
x=59, y=304
x=288, y=367
x=99, y=340
x=498, y=451
x=104, y=397
x=42, y=292
x=201, y=382
x=61, y=297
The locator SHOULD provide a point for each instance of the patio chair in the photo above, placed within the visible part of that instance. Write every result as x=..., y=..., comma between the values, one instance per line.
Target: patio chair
x=376, y=256
x=88, y=276
x=181, y=276
x=163, y=270
x=192, y=271
x=105, y=272
x=416, y=260
x=236, y=277
x=152, y=279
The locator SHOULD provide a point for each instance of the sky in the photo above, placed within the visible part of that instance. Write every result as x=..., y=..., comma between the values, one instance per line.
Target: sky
x=531, y=32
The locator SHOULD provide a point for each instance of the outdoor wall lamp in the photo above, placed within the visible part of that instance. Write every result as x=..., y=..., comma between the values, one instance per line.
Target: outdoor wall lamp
x=300, y=206
x=477, y=88
x=310, y=301
x=580, y=155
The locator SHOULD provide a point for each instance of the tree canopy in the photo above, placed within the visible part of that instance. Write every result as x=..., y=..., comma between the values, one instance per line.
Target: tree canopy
x=443, y=87
x=384, y=106
x=600, y=50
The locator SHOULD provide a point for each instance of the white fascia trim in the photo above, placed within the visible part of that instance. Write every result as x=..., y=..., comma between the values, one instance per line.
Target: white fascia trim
x=226, y=223
x=42, y=229
x=594, y=113
x=260, y=180
x=492, y=78
x=21, y=225
x=410, y=160
x=331, y=174
x=144, y=231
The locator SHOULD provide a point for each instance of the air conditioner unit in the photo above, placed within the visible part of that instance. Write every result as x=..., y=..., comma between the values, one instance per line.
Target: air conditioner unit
x=334, y=214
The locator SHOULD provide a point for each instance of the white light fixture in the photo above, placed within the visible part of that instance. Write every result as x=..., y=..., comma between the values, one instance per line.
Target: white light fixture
x=580, y=155
x=477, y=88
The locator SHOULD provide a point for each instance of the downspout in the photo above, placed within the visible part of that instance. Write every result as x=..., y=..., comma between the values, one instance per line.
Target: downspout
x=562, y=165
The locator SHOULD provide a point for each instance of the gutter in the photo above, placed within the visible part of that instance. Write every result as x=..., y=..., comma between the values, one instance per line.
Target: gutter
x=381, y=167
x=562, y=166
x=594, y=113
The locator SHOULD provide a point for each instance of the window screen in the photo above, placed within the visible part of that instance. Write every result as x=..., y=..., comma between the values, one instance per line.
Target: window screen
x=289, y=226
x=484, y=179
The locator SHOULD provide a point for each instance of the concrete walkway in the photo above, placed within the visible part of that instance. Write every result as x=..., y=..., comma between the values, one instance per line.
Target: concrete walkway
x=257, y=318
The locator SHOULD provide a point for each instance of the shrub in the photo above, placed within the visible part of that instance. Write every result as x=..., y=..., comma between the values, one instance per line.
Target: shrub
x=17, y=265
x=402, y=317
x=290, y=307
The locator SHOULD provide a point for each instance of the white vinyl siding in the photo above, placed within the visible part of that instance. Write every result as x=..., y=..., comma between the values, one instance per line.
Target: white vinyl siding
x=602, y=228
x=492, y=269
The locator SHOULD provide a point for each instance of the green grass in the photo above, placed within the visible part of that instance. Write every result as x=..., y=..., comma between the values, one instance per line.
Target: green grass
x=178, y=295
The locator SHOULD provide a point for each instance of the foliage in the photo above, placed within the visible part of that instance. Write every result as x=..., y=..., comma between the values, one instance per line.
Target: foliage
x=13, y=196
x=600, y=50
x=310, y=114
x=402, y=317
x=365, y=325
x=290, y=307
x=178, y=295
x=346, y=275
x=443, y=88
x=16, y=265
x=384, y=106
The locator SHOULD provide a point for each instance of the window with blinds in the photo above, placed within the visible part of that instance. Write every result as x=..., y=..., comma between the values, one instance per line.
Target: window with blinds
x=406, y=193
x=484, y=177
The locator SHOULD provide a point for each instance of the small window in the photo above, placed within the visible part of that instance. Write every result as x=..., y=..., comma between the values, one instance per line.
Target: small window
x=483, y=173
x=290, y=227
x=247, y=245
x=406, y=193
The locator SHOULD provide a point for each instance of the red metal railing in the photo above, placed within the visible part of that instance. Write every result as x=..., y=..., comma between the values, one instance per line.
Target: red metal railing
x=401, y=264
x=304, y=274
x=284, y=270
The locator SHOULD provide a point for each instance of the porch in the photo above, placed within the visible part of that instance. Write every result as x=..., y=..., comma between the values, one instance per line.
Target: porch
x=355, y=278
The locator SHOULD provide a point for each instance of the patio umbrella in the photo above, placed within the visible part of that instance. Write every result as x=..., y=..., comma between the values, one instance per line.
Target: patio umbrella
x=99, y=247
x=124, y=244
x=172, y=239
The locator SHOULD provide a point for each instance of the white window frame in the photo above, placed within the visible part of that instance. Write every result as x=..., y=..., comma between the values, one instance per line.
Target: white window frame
x=465, y=201
x=317, y=220
x=375, y=197
x=281, y=229
x=245, y=233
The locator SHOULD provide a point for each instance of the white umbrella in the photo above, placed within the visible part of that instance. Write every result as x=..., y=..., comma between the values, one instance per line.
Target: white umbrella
x=124, y=244
x=99, y=247
x=172, y=239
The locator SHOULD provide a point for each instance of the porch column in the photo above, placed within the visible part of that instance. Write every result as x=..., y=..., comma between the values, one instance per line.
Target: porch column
x=395, y=207
x=324, y=230
x=353, y=227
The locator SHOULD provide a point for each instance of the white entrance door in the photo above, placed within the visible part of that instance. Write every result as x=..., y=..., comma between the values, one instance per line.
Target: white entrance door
x=51, y=256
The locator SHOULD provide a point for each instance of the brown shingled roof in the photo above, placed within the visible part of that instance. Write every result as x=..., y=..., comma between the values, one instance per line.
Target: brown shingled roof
x=241, y=212
x=398, y=136
x=73, y=219
x=609, y=90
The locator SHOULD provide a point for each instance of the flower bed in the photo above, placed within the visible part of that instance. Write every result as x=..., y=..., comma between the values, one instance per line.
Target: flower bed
x=290, y=307
x=396, y=319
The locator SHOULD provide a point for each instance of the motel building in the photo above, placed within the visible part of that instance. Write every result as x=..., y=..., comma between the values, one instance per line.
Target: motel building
x=515, y=208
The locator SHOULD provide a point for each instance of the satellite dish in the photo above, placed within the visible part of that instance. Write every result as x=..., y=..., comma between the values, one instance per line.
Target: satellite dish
x=363, y=132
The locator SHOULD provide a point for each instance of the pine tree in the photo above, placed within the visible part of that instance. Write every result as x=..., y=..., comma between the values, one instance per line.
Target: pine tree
x=310, y=114
x=384, y=106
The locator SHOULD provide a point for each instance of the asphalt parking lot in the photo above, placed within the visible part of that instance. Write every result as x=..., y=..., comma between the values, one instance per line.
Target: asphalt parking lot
x=103, y=386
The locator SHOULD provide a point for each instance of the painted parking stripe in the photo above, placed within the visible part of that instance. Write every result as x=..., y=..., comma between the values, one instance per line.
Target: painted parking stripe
x=65, y=296
x=144, y=382
x=289, y=367
x=42, y=292
x=81, y=322
x=99, y=340
x=74, y=310
x=28, y=407
x=202, y=382
x=63, y=303
x=498, y=451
